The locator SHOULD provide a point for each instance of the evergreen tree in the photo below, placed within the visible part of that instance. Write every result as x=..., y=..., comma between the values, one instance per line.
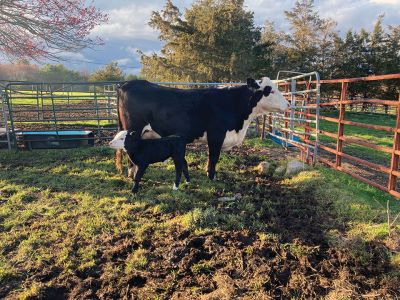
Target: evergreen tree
x=110, y=72
x=309, y=46
x=215, y=40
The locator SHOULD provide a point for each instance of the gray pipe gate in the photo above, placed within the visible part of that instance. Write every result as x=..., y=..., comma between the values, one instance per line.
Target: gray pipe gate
x=30, y=107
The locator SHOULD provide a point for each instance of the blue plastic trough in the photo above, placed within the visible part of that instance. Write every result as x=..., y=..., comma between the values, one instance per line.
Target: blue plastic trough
x=282, y=142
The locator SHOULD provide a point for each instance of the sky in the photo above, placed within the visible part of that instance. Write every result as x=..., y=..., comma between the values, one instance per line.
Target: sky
x=127, y=30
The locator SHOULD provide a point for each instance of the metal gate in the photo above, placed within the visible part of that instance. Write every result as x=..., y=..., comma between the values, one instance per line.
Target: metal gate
x=60, y=108
x=4, y=128
x=299, y=126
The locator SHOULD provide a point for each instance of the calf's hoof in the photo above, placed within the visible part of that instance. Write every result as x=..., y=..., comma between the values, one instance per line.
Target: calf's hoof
x=212, y=177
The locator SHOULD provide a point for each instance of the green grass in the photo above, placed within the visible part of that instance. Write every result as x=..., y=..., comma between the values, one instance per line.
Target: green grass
x=60, y=210
x=31, y=98
x=378, y=137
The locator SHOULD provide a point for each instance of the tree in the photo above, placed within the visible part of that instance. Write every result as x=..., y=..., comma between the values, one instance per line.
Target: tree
x=110, y=72
x=37, y=29
x=19, y=71
x=131, y=77
x=59, y=73
x=216, y=40
x=309, y=44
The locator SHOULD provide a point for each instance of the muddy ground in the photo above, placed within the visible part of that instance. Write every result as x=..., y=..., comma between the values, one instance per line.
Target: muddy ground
x=296, y=257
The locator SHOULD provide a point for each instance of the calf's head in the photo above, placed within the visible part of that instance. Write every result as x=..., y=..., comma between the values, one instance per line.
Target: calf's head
x=272, y=99
x=125, y=140
x=119, y=140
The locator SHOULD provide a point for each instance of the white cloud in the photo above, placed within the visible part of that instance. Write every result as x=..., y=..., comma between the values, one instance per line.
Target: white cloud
x=393, y=2
x=128, y=21
x=123, y=61
x=134, y=51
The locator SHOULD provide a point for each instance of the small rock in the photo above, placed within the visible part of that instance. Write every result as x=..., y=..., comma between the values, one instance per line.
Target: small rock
x=263, y=168
x=234, y=198
x=280, y=171
x=294, y=167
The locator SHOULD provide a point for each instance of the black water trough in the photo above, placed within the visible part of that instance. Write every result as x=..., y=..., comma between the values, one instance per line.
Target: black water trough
x=57, y=139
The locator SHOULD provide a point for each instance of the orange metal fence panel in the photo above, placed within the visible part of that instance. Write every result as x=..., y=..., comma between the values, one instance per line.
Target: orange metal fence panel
x=341, y=139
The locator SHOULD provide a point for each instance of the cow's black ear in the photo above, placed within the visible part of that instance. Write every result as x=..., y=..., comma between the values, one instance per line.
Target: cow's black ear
x=267, y=90
x=252, y=84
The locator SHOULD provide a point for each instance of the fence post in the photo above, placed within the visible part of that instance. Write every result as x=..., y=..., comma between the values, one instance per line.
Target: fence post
x=394, y=163
x=263, y=127
x=342, y=109
x=307, y=128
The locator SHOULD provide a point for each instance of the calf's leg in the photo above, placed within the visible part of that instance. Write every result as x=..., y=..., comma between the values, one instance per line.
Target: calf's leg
x=132, y=169
x=138, y=176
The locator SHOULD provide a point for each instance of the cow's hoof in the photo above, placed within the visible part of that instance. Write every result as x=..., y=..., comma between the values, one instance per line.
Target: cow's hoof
x=134, y=191
x=174, y=187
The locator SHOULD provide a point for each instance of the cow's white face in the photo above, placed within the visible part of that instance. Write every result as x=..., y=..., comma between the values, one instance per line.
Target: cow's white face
x=119, y=140
x=272, y=101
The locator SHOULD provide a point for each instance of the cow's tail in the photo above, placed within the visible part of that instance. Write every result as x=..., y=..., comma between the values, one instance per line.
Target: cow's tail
x=119, y=155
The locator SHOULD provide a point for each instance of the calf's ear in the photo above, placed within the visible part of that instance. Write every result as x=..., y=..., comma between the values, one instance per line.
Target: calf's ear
x=252, y=84
x=267, y=90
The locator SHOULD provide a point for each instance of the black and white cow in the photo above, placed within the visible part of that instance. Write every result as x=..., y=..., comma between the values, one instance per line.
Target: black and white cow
x=218, y=117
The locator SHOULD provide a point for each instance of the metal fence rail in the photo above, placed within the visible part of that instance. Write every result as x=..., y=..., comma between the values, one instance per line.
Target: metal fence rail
x=58, y=107
x=333, y=154
x=4, y=129
x=297, y=127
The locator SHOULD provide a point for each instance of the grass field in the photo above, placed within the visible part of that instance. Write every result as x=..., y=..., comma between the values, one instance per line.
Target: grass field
x=377, y=137
x=69, y=227
x=59, y=98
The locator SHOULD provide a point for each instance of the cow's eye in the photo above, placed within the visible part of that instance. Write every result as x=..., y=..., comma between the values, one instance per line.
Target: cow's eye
x=121, y=139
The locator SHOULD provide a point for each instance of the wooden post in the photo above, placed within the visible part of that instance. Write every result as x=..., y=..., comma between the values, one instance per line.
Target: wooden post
x=257, y=126
x=394, y=163
x=342, y=109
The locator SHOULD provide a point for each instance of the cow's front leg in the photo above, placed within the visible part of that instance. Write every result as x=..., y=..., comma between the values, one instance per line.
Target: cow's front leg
x=178, y=174
x=138, y=176
x=214, y=151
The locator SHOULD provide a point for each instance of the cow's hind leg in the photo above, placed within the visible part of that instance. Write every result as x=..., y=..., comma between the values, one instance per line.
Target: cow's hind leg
x=186, y=170
x=179, y=165
x=214, y=151
x=138, y=176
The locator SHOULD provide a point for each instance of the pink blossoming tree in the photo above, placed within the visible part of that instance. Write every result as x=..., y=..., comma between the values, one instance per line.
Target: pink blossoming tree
x=37, y=29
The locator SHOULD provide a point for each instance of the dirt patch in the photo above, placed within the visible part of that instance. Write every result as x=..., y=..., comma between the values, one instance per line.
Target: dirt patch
x=281, y=250
x=238, y=264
